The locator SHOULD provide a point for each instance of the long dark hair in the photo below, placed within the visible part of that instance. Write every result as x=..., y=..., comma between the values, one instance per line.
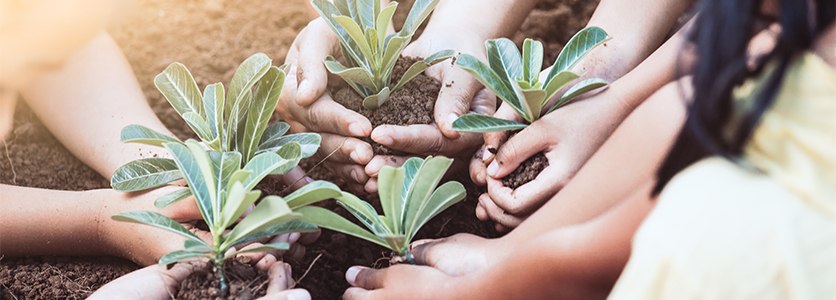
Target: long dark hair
x=721, y=35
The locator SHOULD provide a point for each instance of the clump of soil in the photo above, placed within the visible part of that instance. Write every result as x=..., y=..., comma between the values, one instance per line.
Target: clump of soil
x=413, y=104
x=244, y=283
x=526, y=171
x=58, y=277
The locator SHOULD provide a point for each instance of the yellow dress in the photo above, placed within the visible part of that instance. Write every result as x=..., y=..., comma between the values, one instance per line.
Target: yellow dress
x=766, y=231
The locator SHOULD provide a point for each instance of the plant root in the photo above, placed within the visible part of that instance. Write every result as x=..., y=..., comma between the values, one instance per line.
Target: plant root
x=295, y=282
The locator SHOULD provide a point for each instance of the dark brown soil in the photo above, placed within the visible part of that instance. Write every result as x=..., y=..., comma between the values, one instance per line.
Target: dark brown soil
x=526, y=171
x=413, y=104
x=245, y=283
x=211, y=38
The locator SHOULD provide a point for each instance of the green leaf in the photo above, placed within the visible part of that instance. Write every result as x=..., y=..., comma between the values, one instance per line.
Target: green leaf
x=504, y=59
x=396, y=242
x=292, y=226
x=199, y=126
x=578, y=89
x=247, y=74
x=357, y=75
x=179, y=88
x=532, y=60
x=411, y=167
x=224, y=164
x=195, y=175
x=273, y=132
x=489, y=79
x=144, y=135
x=156, y=220
x=421, y=9
x=213, y=105
x=382, y=22
x=312, y=192
x=558, y=82
x=173, y=197
x=483, y=123
x=193, y=246
x=390, y=188
x=420, y=66
x=236, y=121
x=577, y=48
x=144, y=174
x=261, y=165
x=366, y=12
x=309, y=142
x=424, y=183
x=237, y=202
x=329, y=220
x=445, y=196
x=292, y=152
x=237, y=176
x=356, y=34
x=394, y=46
x=534, y=100
x=180, y=255
x=264, y=103
x=364, y=212
x=374, y=101
x=269, y=212
x=263, y=248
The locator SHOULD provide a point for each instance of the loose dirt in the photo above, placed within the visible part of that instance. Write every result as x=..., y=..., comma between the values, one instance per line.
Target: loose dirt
x=211, y=38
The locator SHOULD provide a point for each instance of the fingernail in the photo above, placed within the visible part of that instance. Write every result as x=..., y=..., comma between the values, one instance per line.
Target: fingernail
x=298, y=294
x=308, y=179
x=385, y=140
x=293, y=237
x=355, y=130
x=354, y=176
x=302, y=85
x=451, y=118
x=493, y=168
x=351, y=274
x=354, y=156
x=374, y=166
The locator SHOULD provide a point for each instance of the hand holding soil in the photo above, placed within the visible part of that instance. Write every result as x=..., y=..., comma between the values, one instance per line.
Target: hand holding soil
x=567, y=137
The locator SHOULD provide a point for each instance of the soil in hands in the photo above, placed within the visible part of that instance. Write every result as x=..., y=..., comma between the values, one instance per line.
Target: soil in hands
x=413, y=104
x=526, y=171
x=245, y=283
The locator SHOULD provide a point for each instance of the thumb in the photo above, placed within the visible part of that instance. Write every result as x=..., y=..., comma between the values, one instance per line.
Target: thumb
x=458, y=89
x=514, y=151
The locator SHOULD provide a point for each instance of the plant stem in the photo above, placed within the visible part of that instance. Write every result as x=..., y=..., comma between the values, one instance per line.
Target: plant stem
x=219, y=270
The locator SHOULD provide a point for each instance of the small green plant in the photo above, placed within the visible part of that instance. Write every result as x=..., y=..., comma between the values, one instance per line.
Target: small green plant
x=409, y=198
x=516, y=80
x=223, y=192
x=370, y=54
x=236, y=121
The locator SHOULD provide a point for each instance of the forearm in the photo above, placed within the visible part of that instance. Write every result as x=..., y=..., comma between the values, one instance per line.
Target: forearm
x=485, y=19
x=87, y=102
x=624, y=162
x=637, y=28
x=575, y=262
x=49, y=222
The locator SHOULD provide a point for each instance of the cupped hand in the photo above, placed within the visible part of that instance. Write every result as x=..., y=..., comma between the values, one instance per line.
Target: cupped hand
x=460, y=254
x=306, y=107
x=158, y=282
x=460, y=94
x=398, y=282
x=568, y=137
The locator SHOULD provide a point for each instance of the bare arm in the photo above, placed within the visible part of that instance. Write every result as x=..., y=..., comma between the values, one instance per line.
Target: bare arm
x=88, y=101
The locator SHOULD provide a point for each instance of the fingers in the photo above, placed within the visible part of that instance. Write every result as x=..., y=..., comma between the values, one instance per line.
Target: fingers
x=478, y=169
x=383, y=160
x=458, y=89
x=342, y=149
x=326, y=115
x=494, y=139
x=497, y=214
x=515, y=151
x=353, y=174
x=309, y=237
x=280, y=281
x=315, y=43
x=365, y=278
x=423, y=139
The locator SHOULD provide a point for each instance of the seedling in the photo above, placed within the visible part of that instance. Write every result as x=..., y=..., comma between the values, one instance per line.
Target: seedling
x=409, y=199
x=370, y=55
x=236, y=121
x=223, y=192
x=516, y=80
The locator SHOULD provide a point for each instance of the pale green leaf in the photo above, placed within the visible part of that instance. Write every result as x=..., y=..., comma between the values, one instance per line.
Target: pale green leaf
x=394, y=46
x=179, y=88
x=196, y=177
x=309, y=142
x=263, y=248
x=273, y=132
x=238, y=201
x=223, y=166
x=292, y=152
x=482, y=124
x=237, y=176
x=558, y=82
x=329, y=220
x=421, y=9
x=262, y=165
x=144, y=135
x=504, y=59
x=356, y=33
x=272, y=210
x=374, y=101
x=532, y=60
x=396, y=242
x=213, y=105
x=312, y=192
x=489, y=79
x=157, y=220
x=237, y=120
x=428, y=177
x=292, y=226
x=144, y=174
x=180, y=255
x=366, y=12
x=420, y=66
x=446, y=195
x=534, y=100
x=382, y=22
x=173, y=197
x=194, y=246
x=390, y=183
x=578, y=46
x=364, y=212
x=356, y=75
x=578, y=89
x=199, y=126
x=264, y=103
x=247, y=74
